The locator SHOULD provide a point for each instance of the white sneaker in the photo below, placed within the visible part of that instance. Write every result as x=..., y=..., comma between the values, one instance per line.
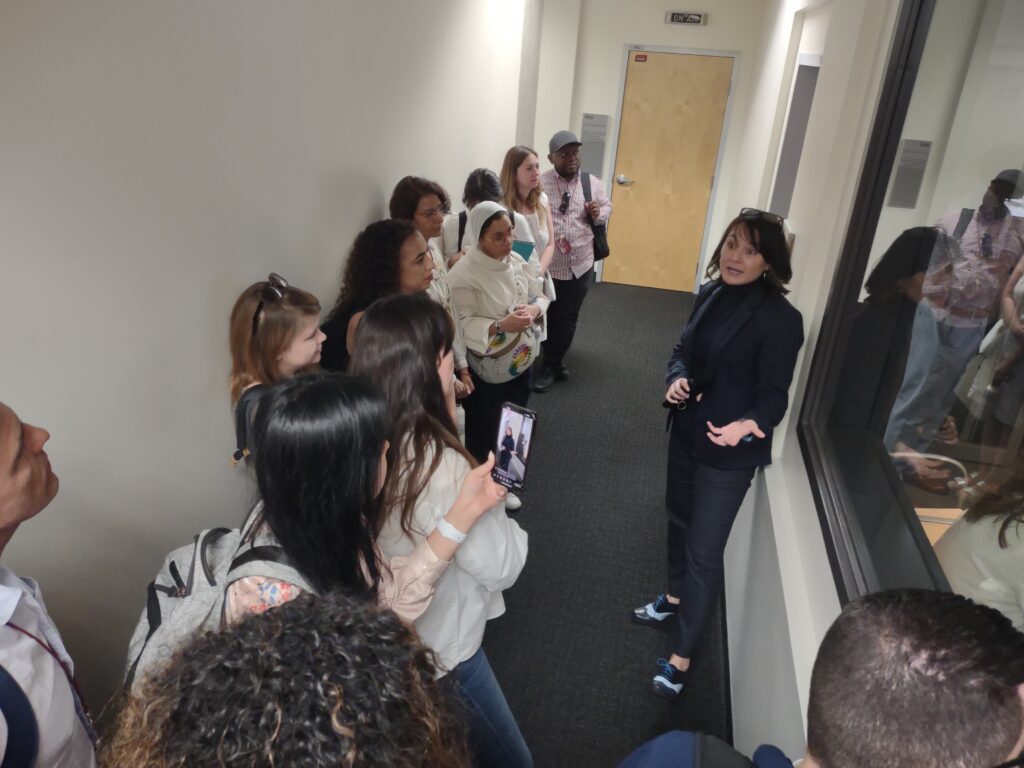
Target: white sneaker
x=512, y=502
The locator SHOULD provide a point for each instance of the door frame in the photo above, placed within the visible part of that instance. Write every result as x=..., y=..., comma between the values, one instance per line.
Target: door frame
x=630, y=48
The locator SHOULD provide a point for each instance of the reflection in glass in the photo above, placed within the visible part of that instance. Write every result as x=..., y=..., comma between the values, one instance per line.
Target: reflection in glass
x=927, y=421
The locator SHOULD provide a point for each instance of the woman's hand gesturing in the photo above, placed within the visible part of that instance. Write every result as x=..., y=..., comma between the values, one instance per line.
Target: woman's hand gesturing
x=731, y=434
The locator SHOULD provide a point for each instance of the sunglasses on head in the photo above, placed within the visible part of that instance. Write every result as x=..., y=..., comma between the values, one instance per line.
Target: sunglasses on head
x=565, y=203
x=1016, y=763
x=272, y=290
x=755, y=213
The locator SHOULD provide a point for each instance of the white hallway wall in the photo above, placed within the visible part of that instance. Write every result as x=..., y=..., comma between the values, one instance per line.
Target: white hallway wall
x=155, y=158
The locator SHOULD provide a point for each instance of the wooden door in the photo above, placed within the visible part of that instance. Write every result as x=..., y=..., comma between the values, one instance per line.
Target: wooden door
x=673, y=109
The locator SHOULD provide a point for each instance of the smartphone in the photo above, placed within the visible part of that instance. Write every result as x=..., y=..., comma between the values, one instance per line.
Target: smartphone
x=516, y=429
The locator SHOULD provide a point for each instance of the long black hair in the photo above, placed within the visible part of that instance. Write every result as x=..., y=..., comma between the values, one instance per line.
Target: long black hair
x=320, y=439
x=397, y=346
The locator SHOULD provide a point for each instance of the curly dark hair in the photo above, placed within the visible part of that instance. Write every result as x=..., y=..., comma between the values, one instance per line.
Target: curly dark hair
x=322, y=680
x=372, y=269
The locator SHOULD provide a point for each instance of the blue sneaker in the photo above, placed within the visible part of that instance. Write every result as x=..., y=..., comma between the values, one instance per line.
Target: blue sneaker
x=668, y=683
x=656, y=612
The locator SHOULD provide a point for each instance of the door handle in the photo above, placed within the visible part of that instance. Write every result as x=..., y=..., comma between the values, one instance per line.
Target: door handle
x=623, y=180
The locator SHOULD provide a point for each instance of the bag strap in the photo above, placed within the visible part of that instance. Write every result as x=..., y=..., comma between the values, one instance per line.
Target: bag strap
x=242, y=411
x=585, y=183
x=22, y=726
x=966, y=215
x=463, y=218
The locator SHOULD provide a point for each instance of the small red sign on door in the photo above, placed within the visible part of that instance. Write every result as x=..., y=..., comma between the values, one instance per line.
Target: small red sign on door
x=640, y=57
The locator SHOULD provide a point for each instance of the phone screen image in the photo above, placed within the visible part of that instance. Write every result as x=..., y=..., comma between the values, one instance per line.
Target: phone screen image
x=512, y=448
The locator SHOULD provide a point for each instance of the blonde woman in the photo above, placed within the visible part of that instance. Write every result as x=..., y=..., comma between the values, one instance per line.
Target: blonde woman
x=520, y=182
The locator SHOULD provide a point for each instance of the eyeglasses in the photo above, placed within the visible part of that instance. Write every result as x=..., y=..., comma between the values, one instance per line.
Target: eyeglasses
x=1019, y=761
x=273, y=290
x=754, y=213
x=430, y=213
x=565, y=203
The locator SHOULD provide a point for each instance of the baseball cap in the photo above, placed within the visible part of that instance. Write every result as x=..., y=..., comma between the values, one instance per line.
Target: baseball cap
x=562, y=139
x=1012, y=177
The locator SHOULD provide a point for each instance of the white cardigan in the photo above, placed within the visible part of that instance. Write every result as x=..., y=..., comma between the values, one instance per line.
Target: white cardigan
x=488, y=561
x=483, y=289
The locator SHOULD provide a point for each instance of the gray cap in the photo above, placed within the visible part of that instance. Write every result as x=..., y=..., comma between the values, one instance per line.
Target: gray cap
x=1014, y=178
x=562, y=139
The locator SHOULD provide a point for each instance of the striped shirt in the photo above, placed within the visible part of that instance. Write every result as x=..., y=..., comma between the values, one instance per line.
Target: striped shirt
x=574, y=224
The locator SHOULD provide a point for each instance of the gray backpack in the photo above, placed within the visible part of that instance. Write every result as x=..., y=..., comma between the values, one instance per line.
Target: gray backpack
x=187, y=596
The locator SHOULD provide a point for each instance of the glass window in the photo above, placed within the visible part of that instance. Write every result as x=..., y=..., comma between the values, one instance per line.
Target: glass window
x=915, y=421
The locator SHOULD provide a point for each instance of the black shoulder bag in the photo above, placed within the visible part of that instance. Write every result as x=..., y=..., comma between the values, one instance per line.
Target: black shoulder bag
x=601, y=249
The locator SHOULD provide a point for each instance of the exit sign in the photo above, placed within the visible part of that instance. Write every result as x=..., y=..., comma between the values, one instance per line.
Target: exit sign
x=685, y=17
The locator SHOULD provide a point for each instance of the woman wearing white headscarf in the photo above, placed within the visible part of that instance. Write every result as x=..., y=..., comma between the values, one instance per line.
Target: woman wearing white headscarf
x=501, y=305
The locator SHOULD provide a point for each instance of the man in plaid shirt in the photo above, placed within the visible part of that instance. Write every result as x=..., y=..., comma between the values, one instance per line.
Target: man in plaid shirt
x=573, y=266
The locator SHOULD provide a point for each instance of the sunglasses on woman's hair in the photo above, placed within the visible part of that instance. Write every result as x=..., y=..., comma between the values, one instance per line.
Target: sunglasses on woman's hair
x=565, y=203
x=755, y=213
x=273, y=290
x=1016, y=763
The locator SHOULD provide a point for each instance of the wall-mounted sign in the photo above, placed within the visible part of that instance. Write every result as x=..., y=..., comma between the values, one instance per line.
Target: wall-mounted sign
x=685, y=17
x=641, y=57
x=906, y=183
x=594, y=135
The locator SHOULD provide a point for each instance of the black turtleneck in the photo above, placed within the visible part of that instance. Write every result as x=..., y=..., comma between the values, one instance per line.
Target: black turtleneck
x=728, y=300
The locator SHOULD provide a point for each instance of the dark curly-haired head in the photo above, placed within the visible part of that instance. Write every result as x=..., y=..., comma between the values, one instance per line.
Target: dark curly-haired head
x=373, y=268
x=319, y=681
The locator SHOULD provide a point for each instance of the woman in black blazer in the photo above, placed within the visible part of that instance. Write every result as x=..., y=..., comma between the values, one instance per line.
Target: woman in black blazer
x=728, y=388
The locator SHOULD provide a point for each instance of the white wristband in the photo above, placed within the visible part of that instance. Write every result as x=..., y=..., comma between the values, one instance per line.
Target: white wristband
x=450, y=532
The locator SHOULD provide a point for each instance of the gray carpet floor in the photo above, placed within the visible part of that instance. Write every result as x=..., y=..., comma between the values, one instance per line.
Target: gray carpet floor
x=576, y=671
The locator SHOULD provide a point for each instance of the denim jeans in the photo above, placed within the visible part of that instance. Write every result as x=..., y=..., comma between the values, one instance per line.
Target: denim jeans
x=938, y=356
x=494, y=735
x=702, y=502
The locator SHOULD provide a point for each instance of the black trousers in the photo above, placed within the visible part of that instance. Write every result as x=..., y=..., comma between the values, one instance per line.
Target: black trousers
x=702, y=502
x=483, y=410
x=563, y=315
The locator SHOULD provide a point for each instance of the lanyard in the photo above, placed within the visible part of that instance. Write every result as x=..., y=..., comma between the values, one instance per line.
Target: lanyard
x=570, y=188
x=76, y=694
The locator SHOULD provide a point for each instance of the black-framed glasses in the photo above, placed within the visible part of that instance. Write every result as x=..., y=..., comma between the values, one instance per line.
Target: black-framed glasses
x=273, y=290
x=756, y=213
x=565, y=202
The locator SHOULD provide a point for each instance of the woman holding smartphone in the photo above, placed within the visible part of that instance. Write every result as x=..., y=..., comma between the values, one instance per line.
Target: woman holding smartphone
x=404, y=347
x=502, y=306
x=728, y=387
